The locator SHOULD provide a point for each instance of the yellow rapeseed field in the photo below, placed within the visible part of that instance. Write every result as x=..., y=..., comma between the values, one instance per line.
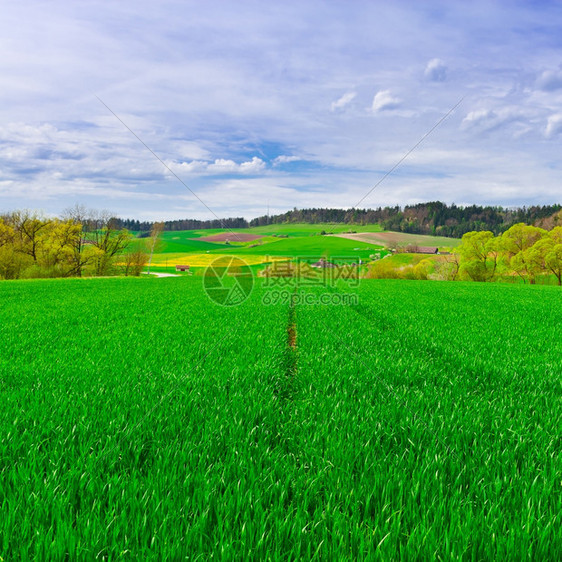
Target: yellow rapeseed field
x=203, y=260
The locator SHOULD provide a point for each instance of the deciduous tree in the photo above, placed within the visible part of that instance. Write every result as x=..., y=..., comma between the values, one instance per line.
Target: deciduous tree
x=479, y=255
x=546, y=253
x=515, y=243
x=134, y=262
x=28, y=227
x=154, y=240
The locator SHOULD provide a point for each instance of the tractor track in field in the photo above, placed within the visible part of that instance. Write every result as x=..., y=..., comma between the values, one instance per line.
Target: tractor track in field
x=286, y=387
x=292, y=350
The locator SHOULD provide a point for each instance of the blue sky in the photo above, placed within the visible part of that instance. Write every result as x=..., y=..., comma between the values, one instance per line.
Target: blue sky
x=287, y=104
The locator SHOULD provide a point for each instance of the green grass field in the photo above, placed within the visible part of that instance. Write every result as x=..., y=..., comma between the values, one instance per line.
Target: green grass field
x=282, y=240
x=292, y=229
x=313, y=247
x=303, y=242
x=185, y=241
x=302, y=229
x=440, y=422
x=142, y=421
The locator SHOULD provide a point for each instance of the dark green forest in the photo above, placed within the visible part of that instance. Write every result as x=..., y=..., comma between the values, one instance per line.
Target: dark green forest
x=434, y=218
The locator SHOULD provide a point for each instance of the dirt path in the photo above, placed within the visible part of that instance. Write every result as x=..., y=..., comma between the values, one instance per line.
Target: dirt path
x=158, y=274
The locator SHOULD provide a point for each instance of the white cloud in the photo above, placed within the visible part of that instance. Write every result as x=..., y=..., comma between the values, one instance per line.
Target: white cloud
x=193, y=167
x=553, y=125
x=550, y=80
x=479, y=116
x=284, y=159
x=223, y=166
x=219, y=166
x=91, y=153
x=254, y=166
x=519, y=121
x=384, y=100
x=435, y=71
x=342, y=102
x=190, y=151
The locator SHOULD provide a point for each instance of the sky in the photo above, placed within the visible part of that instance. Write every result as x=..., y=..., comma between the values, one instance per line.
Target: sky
x=261, y=106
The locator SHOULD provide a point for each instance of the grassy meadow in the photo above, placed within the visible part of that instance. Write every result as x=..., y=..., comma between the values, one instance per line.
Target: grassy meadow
x=276, y=242
x=313, y=247
x=142, y=421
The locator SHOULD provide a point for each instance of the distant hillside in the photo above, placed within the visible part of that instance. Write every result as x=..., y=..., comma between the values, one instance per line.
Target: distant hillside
x=434, y=218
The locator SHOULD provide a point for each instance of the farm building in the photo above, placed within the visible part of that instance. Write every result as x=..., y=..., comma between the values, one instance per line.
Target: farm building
x=323, y=264
x=426, y=250
x=182, y=267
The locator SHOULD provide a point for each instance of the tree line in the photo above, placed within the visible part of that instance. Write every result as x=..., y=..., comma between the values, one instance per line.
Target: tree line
x=82, y=242
x=183, y=224
x=434, y=218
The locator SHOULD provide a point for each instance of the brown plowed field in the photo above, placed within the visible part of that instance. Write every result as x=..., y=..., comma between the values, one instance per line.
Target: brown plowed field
x=385, y=238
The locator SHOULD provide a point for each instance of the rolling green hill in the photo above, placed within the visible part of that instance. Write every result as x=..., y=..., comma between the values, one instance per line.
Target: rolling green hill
x=289, y=240
x=296, y=229
x=313, y=247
